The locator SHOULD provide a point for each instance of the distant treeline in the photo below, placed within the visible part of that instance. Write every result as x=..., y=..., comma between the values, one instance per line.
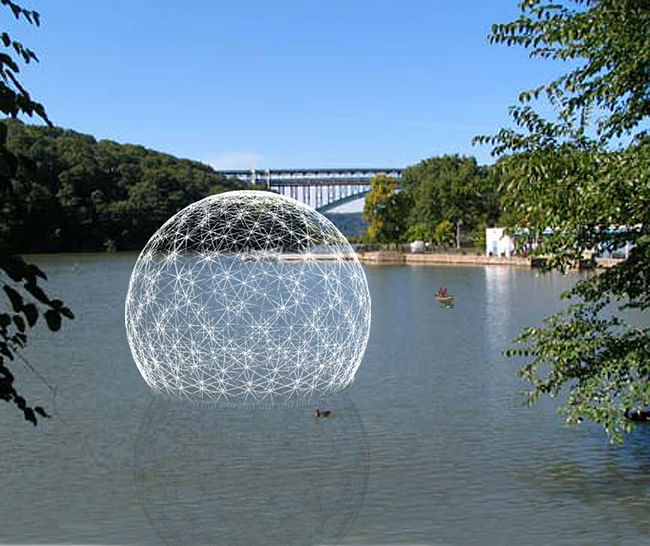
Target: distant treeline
x=74, y=193
x=447, y=199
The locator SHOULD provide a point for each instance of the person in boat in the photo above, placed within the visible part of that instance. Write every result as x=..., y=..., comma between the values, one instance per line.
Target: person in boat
x=444, y=292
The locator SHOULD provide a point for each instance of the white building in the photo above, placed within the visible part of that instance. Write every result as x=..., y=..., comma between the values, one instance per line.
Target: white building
x=417, y=247
x=497, y=243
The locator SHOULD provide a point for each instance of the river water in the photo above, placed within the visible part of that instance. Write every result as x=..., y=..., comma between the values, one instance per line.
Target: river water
x=431, y=445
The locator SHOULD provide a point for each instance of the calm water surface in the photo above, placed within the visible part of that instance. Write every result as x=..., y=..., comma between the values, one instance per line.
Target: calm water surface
x=431, y=446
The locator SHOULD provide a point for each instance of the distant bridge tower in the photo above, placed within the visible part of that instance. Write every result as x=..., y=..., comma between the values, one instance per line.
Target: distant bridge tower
x=322, y=189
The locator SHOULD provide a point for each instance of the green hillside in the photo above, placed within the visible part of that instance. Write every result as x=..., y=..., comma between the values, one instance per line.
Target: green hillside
x=75, y=193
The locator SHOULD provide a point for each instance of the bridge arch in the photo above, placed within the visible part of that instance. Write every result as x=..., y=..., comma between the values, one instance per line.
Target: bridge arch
x=343, y=201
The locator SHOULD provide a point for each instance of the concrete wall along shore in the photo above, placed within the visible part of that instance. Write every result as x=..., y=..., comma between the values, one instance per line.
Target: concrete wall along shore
x=393, y=257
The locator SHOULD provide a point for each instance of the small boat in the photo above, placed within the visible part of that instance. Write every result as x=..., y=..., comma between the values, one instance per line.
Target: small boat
x=444, y=299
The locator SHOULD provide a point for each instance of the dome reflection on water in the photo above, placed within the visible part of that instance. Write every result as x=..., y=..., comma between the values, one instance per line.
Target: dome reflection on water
x=273, y=476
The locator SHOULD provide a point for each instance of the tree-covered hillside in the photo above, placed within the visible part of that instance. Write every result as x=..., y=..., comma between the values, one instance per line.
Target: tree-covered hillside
x=76, y=193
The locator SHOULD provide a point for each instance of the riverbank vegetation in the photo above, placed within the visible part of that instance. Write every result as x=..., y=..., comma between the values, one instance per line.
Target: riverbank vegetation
x=586, y=174
x=24, y=300
x=442, y=200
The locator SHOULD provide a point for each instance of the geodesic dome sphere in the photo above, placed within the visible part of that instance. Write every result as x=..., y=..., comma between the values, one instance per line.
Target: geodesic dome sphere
x=247, y=296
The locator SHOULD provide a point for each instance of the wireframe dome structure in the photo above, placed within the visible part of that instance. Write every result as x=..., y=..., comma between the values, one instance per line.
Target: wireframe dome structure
x=247, y=297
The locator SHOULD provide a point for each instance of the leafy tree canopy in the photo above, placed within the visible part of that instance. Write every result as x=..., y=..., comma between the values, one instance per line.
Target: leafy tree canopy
x=586, y=175
x=444, y=233
x=451, y=188
x=25, y=301
x=419, y=232
x=385, y=210
x=80, y=194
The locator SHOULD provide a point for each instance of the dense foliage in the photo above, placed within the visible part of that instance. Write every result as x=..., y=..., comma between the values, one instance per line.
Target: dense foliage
x=80, y=194
x=28, y=301
x=449, y=190
x=25, y=301
x=436, y=200
x=385, y=210
x=586, y=175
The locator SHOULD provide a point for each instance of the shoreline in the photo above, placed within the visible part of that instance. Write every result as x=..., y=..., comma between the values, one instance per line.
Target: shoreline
x=380, y=257
x=393, y=257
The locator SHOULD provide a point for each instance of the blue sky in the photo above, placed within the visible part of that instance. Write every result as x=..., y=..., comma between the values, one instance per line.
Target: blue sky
x=273, y=84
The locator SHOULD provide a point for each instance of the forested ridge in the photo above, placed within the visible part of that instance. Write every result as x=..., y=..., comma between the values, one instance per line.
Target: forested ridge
x=74, y=193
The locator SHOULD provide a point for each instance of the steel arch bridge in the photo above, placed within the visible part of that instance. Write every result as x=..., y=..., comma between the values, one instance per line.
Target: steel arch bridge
x=322, y=189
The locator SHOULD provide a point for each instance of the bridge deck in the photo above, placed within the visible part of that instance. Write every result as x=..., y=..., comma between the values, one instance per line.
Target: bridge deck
x=316, y=182
x=246, y=172
x=322, y=188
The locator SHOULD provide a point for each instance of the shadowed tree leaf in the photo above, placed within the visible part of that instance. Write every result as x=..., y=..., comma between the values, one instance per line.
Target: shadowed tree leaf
x=19, y=322
x=53, y=320
x=65, y=311
x=31, y=314
x=30, y=415
x=37, y=292
x=41, y=411
x=15, y=298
